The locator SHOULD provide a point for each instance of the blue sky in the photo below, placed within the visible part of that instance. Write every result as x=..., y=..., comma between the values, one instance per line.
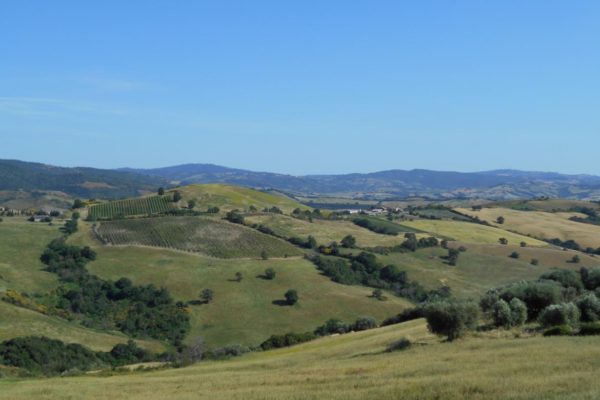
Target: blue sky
x=303, y=86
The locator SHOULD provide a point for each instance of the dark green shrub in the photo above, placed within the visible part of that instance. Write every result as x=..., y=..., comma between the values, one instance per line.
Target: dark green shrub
x=291, y=297
x=589, y=306
x=451, y=318
x=364, y=323
x=565, y=277
x=331, y=327
x=270, y=273
x=590, y=328
x=560, y=314
x=399, y=345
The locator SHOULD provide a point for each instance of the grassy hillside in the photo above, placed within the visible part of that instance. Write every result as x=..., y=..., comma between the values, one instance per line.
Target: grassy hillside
x=21, y=244
x=482, y=266
x=20, y=269
x=245, y=312
x=550, y=205
x=228, y=197
x=210, y=236
x=130, y=207
x=323, y=230
x=355, y=366
x=471, y=233
x=35, y=199
x=16, y=321
x=544, y=225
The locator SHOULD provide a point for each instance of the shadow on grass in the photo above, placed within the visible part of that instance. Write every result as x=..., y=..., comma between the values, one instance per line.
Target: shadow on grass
x=281, y=303
x=197, y=302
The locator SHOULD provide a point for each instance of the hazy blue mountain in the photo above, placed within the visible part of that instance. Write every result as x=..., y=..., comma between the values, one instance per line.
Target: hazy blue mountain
x=498, y=184
x=79, y=181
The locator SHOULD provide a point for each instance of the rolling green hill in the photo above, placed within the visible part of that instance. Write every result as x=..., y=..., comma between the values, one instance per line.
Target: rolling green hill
x=324, y=231
x=493, y=366
x=206, y=235
x=228, y=197
x=245, y=312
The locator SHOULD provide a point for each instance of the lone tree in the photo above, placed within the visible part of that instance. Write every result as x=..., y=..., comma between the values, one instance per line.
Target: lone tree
x=349, y=241
x=378, y=294
x=161, y=191
x=176, y=196
x=291, y=297
x=514, y=255
x=503, y=241
x=451, y=318
x=78, y=203
x=207, y=295
x=191, y=204
x=270, y=274
x=239, y=276
x=576, y=259
x=264, y=255
x=453, y=256
x=535, y=261
x=523, y=244
x=500, y=220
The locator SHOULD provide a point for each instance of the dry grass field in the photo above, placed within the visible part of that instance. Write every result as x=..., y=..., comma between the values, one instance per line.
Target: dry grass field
x=491, y=366
x=541, y=224
x=468, y=232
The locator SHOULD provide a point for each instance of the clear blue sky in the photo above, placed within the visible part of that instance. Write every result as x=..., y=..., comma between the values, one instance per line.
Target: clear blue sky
x=303, y=86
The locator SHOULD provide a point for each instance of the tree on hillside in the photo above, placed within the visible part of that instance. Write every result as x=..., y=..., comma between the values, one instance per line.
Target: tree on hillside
x=535, y=261
x=78, y=203
x=191, y=204
x=291, y=297
x=213, y=210
x=270, y=273
x=576, y=259
x=503, y=241
x=311, y=242
x=264, y=255
x=514, y=255
x=176, y=196
x=207, y=295
x=523, y=244
x=500, y=220
x=453, y=256
x=348, y=241
x=161, y=191
x=239, y=276
x=451, y=318
x=378, y=294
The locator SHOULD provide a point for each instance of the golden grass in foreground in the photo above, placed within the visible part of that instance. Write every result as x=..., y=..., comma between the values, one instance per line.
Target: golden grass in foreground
x=542, y=224
x=469, y=232
x=355, y=366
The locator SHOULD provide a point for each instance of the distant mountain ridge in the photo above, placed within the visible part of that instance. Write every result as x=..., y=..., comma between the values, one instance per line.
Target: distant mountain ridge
x=79, y=181
x=127, y=182
x=496, y=184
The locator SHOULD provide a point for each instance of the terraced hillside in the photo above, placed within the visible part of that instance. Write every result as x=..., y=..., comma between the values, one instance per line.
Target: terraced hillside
x=495, y=366
x=324, y=231
x=470, y=232
x=228, y=197
x=206, y=235
x=544, y=225
x=131, y=207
